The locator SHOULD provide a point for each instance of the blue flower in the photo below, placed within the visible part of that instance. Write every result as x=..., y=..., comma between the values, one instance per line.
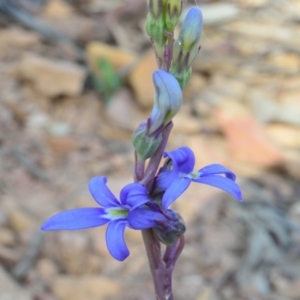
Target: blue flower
x=118, y=215
x=177, y=174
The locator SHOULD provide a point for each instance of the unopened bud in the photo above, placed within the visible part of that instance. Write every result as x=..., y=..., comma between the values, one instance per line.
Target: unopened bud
x=167, y=99
x=173, y=12
x=186, y=46
x=169, y=232
x=144, y=143
x=183, y=76
x=155, y=8
x=155, y=23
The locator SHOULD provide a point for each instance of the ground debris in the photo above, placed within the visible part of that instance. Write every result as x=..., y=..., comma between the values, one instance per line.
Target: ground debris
x=241, y=109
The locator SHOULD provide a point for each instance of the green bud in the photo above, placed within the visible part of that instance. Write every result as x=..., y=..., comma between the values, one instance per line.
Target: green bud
x=173, y=12
x=155, y=23
x=155, y=28
x=145, y=144
x=155, y=8
x=183, y=76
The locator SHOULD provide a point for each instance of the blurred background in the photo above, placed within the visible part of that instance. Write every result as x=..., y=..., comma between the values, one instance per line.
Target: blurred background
x=75, y=81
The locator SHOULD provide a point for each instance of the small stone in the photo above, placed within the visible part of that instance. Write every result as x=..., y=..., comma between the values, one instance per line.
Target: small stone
x=273, y=32
x=285, y=62
x=141, y=80
x=292, y=291
x=85, y=287
x=195, y=85
x=72, y=248
x=295, y=212
x=185, y=123
x=42, y=295
x=268, y=108
x=59, y=128
x=207, y=293
x=246, y=140
x=3, y=217
x=123, y=111
x=284, y=135
x=10, y=290
x=208, y=150
x=37, y=120
x=7, y=237
x=219, y=12
x=57, y=9
x=46, y=268
x=255, y=3
x=19, y=220
x=52, y=78
x=118, y=58
x=292, y=163
x=62, y=144
x=18, y=37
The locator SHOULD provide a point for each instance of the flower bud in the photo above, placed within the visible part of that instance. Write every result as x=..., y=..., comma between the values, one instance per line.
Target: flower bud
x=183, y=77
x=155, y=23
x=167, y=100
x=144, y=143
x=169, y=232
x=173, y=12
x=155, y=8
x=186, y=46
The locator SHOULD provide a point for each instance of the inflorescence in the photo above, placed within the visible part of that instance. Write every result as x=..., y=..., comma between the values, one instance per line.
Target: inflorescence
x=145, y=204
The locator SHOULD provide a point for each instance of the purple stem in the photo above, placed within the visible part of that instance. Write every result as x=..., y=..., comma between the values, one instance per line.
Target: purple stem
x=139, y=168
x=170, y=257
x=158, y=58
x=172, y=252
x=157, y=266
x=161, y=273
x=168, y=53
x=156, y=158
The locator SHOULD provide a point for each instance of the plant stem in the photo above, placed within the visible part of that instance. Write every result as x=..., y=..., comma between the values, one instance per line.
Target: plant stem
x=168, y=53
x=139, y=168
x=156, y=158
x=157, y=266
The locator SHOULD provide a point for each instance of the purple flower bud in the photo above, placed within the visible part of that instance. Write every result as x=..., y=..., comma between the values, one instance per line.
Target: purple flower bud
x=167, y=100
x=190, y=32
x=186, y=46
x=169, y=232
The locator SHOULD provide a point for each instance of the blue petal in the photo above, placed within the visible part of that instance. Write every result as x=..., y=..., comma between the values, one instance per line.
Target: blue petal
x=101, y=193
x=79, y=218
x=115, y=239
x=164, y=179
x=217, y=169
x=144, y=218
x=183, y=159
x=167, y=99
x=134, y=195
x=174, y=191
x=222, y=183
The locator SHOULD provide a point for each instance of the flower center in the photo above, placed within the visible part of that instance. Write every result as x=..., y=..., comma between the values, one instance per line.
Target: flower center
x=193, y=175
x=117, y=213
